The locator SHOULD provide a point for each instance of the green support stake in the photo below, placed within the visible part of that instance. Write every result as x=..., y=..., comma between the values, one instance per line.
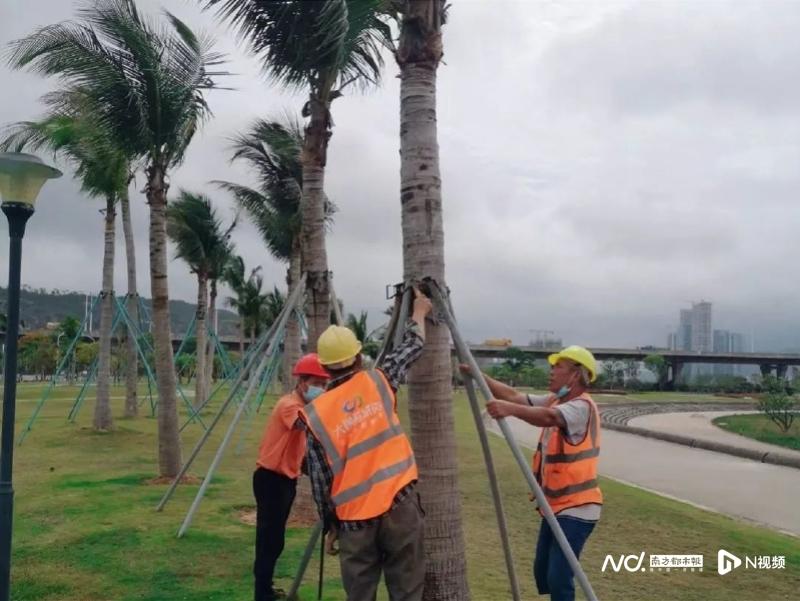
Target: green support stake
x=52, y=384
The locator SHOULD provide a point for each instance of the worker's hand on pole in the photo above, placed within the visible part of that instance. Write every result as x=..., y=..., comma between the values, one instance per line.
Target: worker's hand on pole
x=499, y=409
x=331, y=548
x=422, y=308
x=465, y=369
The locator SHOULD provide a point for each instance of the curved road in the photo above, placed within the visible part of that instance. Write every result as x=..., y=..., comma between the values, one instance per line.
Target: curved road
x=716, y=481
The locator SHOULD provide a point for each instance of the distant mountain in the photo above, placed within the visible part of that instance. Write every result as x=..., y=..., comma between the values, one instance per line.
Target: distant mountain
x=40, y=307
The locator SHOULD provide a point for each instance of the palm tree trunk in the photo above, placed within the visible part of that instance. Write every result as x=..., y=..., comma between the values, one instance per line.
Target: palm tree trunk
x=212, y=318
x=102, y=407
x=292, y=345
x=430, y=387
x=132, y=359
x=241, y=337
x=200, y=336
x=312, y=211
x=169, y=442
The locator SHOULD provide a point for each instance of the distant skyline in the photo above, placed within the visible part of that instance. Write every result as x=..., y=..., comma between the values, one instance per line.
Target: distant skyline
x=602, y=162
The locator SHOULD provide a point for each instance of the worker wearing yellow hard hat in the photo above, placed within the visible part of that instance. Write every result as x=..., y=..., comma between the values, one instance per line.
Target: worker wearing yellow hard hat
x=565, y=462
x=362, y=467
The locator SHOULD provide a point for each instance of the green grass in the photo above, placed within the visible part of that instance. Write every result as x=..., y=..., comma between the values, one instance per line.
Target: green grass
x=85, y=528
x=760, y=427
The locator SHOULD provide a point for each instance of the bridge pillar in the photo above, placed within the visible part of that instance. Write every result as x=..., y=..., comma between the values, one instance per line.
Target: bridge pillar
x=780, y=370
x=675, y=370
x=766, y=369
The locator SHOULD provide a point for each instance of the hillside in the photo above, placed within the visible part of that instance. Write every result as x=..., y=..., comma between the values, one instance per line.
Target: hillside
x=39, y=306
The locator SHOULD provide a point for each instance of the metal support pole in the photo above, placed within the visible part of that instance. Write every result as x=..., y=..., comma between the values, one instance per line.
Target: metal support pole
x=495, y=488
x=200, y=443
x=18, y=216
x=544, y=506
x=291, y=303
x=304, y=561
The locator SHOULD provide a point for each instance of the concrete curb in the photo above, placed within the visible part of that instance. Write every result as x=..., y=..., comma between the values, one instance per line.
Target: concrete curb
x=768, y=457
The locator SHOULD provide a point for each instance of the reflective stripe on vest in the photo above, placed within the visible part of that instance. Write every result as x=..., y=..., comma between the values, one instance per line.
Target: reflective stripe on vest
x=568, y=474
x=364, y=443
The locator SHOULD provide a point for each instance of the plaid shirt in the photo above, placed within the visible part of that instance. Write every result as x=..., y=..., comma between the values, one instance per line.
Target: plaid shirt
x=394, y=367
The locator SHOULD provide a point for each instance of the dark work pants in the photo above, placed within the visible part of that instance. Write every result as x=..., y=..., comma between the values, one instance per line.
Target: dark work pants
x=550, y=567
x=392, y=545
x=274, y=497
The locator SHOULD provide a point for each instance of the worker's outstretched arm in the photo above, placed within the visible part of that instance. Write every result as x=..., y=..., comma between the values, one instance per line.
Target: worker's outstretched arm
x=508, y=393
x=396, y=363
x=538, y=416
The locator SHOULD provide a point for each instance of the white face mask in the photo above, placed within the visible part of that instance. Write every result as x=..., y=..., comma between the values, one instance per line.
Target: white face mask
x=312, y=393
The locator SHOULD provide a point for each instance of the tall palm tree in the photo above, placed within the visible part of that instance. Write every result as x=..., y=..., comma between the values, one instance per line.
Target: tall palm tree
x=249, y=301
x=234, y=276
x=322, y=47
x=216, y=270
x=132, y=306
x=102, y=169
x=196, y=231
x=430, y=391
x=272, y=149
x=146, y=81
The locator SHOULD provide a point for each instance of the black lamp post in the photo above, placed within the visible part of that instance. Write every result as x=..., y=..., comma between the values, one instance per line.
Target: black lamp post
x=21, y=178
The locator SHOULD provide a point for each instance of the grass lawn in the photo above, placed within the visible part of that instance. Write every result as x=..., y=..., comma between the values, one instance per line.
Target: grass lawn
x=85, y=528
x=761, y=428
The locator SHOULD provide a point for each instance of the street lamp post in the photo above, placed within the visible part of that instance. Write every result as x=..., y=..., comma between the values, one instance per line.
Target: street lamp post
x=21, y=178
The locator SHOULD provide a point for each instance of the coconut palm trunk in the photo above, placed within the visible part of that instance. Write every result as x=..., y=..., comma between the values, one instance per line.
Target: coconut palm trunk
x=212, y=319
x=292, y=345
x=132, y=358
x=430, y=389
x=169, y=447
x=201, y=336
x=102, y=407
x=312, y=211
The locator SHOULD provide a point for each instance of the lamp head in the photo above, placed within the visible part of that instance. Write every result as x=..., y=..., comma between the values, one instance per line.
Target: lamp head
x=22, y=176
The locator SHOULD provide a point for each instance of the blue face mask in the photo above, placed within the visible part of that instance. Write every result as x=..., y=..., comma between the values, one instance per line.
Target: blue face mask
x=562, y=392
x=312, y=393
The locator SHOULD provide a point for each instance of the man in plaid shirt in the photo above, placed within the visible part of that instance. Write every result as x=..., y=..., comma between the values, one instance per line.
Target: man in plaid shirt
x=390, y=542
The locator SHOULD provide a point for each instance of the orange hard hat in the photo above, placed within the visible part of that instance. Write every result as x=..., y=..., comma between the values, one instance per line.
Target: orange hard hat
x=309, y=365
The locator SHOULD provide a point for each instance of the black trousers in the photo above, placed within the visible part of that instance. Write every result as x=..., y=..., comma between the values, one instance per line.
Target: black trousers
x=274, y=497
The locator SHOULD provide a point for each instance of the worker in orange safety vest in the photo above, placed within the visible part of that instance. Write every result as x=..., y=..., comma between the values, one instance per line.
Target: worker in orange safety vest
x=362, y=467
x=280, y=455
x=565, y=461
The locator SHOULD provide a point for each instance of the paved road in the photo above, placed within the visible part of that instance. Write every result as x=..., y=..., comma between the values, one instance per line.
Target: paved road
x=762, y=493
x=699, y=425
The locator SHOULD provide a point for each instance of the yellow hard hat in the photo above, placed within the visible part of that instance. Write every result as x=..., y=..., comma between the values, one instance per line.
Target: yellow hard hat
x=579, y=355
x=338, y=347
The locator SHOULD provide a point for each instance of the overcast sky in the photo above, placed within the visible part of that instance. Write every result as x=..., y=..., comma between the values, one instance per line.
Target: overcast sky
x=603, y=164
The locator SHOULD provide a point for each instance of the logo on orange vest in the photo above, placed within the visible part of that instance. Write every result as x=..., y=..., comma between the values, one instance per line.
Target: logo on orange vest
x=359, y=415
x=351, y=405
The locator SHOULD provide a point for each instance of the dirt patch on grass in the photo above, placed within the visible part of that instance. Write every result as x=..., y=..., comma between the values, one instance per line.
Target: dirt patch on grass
x=304, y=512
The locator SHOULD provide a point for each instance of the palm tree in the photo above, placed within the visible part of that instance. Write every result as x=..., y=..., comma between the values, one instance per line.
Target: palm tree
x=250, y=302
x=272, y=148
x=132, y=306
x=367, y=338
x=430, y=389
x=103, y=171
x=196, y=231
x=322, y=47
x=234, y=276
x=146, y=82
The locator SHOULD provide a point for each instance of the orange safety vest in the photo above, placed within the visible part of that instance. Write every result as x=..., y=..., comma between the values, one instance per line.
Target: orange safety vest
x=570, y=471
x=370, y=456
